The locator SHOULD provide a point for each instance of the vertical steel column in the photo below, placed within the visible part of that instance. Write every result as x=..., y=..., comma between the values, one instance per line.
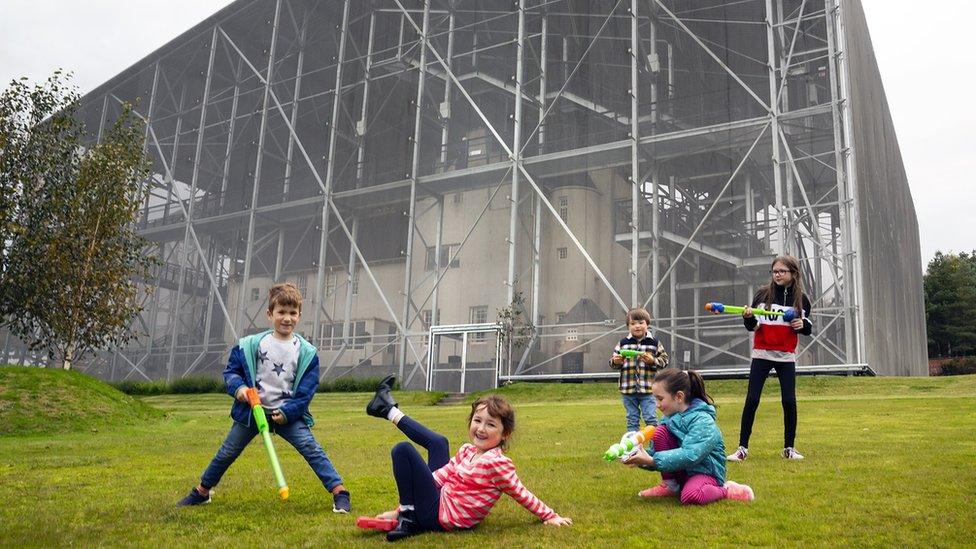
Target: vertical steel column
x=846, y=196
x=361, y=126
x=655, y=241
x=350, y=277
x=176, y=147
x=438, y=243
x=252, y=207
x=414, y=168
x=516, y=156
x=537, y=236
x=329, y=173
x=101, y=121
x=774, y=119
x=154, y=304
x=289, y=155
x=194, y=179
x=230, y=136
x=446, y=104
x=635, y=185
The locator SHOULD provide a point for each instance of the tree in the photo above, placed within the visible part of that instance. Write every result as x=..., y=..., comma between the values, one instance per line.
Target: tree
x=70, y=253
x=950, y=304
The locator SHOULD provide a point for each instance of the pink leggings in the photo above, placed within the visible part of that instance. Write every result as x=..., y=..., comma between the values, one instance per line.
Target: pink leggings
x=698, y=489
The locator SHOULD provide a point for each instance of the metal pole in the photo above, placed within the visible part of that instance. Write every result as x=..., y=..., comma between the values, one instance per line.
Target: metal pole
x=329, y=172
x=635, y=185
x=774, y=120
x=289, y=155
x=194, y=179
x=537, y=236
x=414, y=168
x=516, y=156
x=176, y=147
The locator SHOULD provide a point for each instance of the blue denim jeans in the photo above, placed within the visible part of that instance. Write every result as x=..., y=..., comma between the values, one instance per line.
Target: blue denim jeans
x=296, y=433
x=637, y=405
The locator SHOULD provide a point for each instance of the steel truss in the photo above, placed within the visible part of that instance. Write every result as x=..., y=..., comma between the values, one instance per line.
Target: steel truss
x=266, y=152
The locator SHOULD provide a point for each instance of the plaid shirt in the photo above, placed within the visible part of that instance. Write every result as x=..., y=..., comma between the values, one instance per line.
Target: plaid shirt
x=635, y=376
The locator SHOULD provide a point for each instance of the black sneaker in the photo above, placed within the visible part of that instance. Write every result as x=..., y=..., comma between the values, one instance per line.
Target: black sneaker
x=341, y=503
x=193, y=498
x=406, y=526
x=382, y=401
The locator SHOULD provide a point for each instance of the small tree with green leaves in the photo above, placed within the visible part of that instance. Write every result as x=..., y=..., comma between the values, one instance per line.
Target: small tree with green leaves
x=70, y=256
x=950, y=304
x=516, y=331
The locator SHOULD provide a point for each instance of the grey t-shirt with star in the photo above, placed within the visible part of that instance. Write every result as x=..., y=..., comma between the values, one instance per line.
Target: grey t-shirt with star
x=277, y=364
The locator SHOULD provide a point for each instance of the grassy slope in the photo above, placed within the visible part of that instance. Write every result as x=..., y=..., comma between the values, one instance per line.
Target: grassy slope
x=43, y=401
x=889, y=462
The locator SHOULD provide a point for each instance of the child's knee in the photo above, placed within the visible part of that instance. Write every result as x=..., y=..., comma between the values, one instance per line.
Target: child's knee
x=441, y=442
x=400, y=448
x=692, y=497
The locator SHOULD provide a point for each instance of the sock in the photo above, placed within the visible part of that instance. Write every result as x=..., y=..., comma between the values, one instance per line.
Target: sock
x=406, y=507
x=394, y=415
x=672, y=484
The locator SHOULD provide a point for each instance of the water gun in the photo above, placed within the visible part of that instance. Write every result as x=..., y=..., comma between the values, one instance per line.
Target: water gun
x=629, y=353
x=717, y=308
x=262, y=422
x=629, y=443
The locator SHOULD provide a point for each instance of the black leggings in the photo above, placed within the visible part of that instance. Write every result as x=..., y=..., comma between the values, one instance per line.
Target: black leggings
x=414, y=478
x=758, y=372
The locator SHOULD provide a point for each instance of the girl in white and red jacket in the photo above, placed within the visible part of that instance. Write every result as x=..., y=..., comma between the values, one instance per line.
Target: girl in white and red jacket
x=444, y=494
x=774, y=348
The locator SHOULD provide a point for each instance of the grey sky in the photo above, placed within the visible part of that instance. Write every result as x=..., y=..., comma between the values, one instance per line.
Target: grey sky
x=924, y=56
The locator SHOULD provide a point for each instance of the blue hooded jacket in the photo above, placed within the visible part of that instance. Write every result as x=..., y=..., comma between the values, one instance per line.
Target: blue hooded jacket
x=242, y=369
x=702, y=449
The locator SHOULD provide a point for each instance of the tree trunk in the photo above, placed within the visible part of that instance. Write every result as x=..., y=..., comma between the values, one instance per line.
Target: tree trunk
x=68, y=356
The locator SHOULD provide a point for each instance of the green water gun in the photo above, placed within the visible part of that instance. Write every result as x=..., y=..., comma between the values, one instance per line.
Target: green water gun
x=262, y=422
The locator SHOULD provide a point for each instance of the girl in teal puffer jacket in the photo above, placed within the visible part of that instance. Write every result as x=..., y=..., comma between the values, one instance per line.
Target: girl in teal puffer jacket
x=687, y=447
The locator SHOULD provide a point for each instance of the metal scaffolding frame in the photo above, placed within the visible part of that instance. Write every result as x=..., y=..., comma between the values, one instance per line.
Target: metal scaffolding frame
x=731, y=144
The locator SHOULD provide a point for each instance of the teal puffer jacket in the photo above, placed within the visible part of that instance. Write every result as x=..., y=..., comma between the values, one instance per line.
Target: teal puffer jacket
x=702, y=449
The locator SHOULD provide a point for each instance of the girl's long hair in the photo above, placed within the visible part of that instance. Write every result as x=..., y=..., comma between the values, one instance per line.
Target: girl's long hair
x=768, y=291
x=689, y=382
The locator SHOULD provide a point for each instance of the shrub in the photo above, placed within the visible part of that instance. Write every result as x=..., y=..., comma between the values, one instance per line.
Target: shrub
x=351, y=385
x=959, y=366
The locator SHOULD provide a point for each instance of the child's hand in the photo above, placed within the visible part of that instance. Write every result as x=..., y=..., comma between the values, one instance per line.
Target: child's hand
x=797, y=323
x=641, y=457
x=278, y=417
x=747, y=312
x=389, y=515
x=559, y=521
x=617, y=359
x=646, y=357
x=241, y=394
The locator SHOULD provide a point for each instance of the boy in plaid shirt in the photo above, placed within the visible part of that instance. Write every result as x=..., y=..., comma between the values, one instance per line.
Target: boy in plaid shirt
x=636, y=374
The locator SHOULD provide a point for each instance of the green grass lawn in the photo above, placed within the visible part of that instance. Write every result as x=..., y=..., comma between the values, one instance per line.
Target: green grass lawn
x=889, y=462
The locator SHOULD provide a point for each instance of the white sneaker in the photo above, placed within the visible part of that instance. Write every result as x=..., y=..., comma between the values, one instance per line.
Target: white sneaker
x=790, y=453
x=740, y=454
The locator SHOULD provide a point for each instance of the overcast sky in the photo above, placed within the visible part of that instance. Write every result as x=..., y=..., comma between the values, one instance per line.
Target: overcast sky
x=925, y=55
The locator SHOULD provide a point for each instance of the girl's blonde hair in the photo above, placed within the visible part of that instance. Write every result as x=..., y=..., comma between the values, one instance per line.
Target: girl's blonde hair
x=500, y=408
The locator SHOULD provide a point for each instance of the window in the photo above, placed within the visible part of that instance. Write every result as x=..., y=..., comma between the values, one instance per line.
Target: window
x=355, y=283
x=255, y=294
x=572, y=334
x=479, y=315
x=458, y=198
x=560, y=317
x=562, y=253
x=446, y=251
x=330, y=284
x=564, y=208
x=360, y=335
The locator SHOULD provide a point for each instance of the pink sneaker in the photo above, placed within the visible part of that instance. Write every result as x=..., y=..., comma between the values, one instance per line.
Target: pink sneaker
x=741, y=492
x=659, y=491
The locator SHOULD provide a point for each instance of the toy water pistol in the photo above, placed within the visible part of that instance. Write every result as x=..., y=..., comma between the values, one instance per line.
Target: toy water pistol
x=629, y=353
x=629, y=443
x=262, y=423
x=717, y=308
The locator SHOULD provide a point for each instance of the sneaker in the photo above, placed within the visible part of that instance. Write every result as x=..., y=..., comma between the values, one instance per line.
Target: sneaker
x=382, y=401
x=660, y=491
x=341, y=503
x=740, y=454
x=741, y=492
x=790, y=453
x=193, y=498
x=406, y=526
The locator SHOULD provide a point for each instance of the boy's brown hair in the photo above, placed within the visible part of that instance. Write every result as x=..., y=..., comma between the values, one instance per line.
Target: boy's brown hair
x=284, y=294
x=498, y=407
x=637, y=314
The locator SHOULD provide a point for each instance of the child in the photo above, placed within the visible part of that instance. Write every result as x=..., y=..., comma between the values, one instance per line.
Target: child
x=774, y=348
x=636, y=373
x=443, y=494
x=285, y=370
x=687, y=446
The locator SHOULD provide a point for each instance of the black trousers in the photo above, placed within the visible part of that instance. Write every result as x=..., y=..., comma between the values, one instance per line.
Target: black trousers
x=758, y=372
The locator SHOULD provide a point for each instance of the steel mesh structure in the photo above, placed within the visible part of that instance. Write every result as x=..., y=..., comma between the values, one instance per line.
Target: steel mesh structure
x=411, y=164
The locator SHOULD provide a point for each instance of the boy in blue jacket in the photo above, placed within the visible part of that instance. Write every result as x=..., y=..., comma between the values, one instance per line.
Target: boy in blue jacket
x=687, y=446
x=284, y=368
